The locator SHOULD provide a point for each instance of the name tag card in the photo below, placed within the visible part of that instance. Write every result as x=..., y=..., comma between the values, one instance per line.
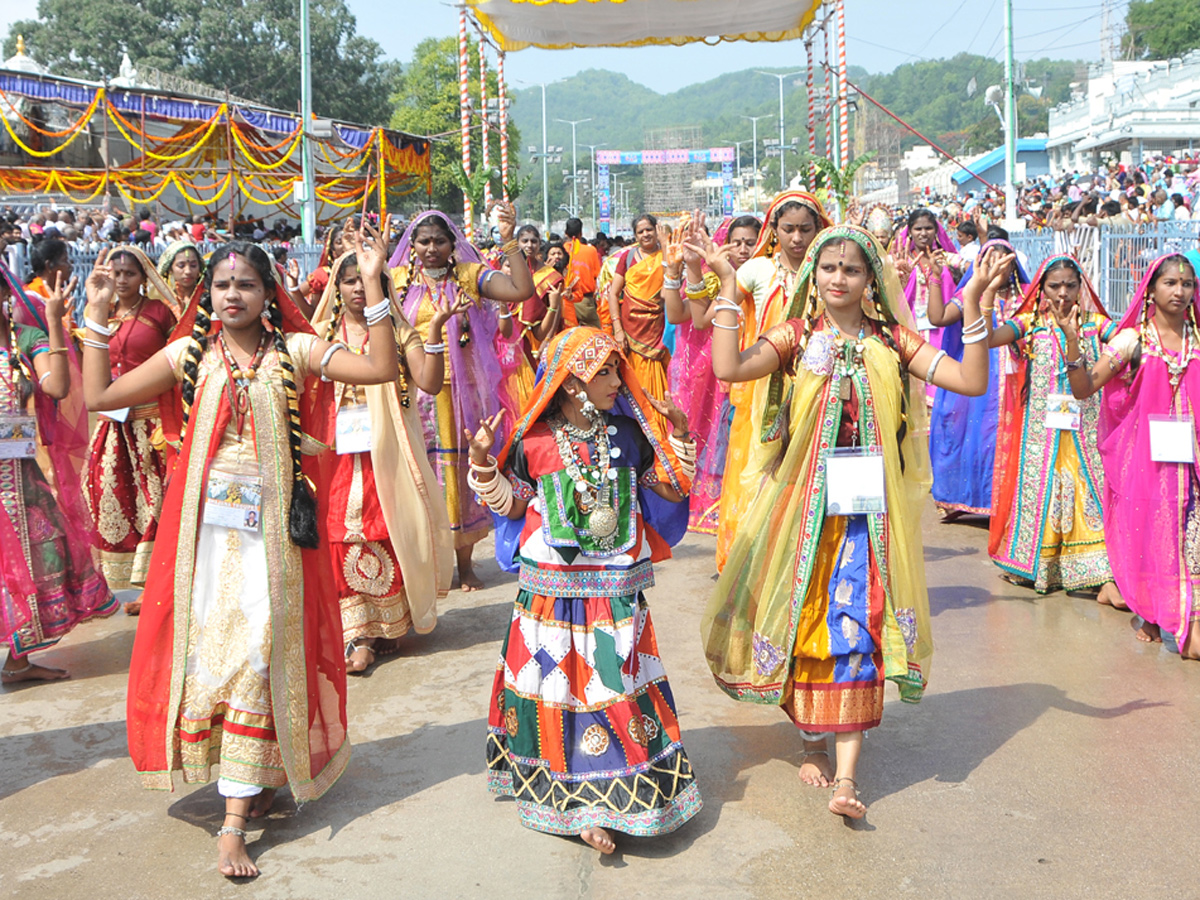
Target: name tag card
x=1063, y=412
x=854, y=481
x=18, y=437
x=1172, y=439
x=233, y=501
x=353, y=430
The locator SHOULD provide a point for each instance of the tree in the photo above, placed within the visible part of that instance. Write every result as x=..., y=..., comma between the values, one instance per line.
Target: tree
x=1161, y=29
x=249, y=47
x=426, y=102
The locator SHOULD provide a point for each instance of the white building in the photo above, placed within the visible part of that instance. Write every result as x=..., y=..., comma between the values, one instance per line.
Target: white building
x=1127, y=110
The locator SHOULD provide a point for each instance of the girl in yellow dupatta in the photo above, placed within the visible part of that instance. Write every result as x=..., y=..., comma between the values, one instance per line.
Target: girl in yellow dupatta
x=764, y=283
x=817, y=607
x=635, y=304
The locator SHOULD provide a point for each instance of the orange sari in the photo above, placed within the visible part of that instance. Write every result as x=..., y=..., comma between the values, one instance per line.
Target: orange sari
x=644, y=320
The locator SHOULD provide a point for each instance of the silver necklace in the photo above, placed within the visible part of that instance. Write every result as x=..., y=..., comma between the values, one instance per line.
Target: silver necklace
x=593, y=483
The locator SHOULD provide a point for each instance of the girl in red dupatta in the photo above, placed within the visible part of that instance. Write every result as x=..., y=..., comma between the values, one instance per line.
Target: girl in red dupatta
x=125, y=471
x=592, y=742
x=1150, y=375
x=1047, y=526
x=183, y=269
x=238, y=656
x=47, y=582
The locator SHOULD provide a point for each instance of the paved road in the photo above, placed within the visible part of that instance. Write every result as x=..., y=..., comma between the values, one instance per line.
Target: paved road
x=1053, y=756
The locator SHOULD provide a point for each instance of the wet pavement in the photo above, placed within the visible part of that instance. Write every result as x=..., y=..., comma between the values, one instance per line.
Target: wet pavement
x=1053, y=756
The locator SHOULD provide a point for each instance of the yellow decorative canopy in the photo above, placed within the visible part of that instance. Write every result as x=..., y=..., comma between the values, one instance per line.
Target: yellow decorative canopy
x=563, y=24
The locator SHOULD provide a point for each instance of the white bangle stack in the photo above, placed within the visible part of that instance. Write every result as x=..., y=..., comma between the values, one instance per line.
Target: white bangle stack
x=98, y=345
x=93, y=325
x=672, y=284
x=434, y=348
x=377, y=313
x=724, y=303
x=496, y=494
x=975, y=332
x=685, y=452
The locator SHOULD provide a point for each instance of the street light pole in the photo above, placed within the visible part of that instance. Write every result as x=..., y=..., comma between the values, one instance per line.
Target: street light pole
x=782, y=152
x=738, y=144
x=593, y=148
x=308, y=209
x=754, y=123
x=574, y=164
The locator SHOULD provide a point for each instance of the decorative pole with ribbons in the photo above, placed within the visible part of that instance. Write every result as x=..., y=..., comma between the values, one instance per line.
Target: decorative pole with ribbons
x=502, y=90
x=484, y=162
x=464, y=113
x=812, y=112
x=843, y=92
x=830, y=152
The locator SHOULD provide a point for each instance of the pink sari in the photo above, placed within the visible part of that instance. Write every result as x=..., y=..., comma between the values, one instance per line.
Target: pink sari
x=1152, y=509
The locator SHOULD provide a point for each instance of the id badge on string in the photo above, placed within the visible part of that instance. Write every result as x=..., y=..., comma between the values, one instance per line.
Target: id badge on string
x=1063, y=412
x=233, y=501
x=854, y=482
x=353, y=430
x=1172, y=439
x=18, y=437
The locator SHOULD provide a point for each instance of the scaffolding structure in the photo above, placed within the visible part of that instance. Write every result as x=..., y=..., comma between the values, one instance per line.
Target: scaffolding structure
x=671, y=188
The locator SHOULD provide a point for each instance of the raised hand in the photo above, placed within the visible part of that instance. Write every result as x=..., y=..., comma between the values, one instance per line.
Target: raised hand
x=506, y=219
x=1064, y=314
x=482, y=441
x=100, y=288
x=293, y=274
x=369, y=248
x=667, y=408
x=57, y=301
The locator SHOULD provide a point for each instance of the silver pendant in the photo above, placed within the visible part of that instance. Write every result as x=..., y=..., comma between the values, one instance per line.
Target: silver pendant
x=602, y=523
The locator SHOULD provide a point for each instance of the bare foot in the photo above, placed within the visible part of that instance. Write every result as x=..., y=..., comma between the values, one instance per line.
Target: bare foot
x=598, y=838
x=951, y=515
x=262, y=803
x=1110, y=596
x=133, y=607
x=232, y=859
x=1149, y=633
x=815, y=769
x=468, y=581
x=359, y=657
x=31, y=672
x=1191, y=643
x=845, y=800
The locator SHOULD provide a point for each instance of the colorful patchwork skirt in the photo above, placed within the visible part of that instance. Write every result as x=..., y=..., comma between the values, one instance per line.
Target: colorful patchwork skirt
x=582, y=728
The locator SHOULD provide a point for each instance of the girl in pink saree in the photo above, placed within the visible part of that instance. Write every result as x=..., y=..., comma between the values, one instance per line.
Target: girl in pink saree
x=1150, y=374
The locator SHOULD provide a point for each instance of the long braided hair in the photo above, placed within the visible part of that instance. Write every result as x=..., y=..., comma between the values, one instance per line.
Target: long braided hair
x=338, y=308
x=302, y=516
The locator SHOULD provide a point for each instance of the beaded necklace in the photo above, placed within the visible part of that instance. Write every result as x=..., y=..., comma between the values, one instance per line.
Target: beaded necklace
x=849, y=356
x=1176, y=365
x=237, y=382
x=593, y=483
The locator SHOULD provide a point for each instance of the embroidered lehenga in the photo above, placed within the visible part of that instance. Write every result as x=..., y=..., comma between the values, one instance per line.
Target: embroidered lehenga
x=582, y=727
x=1047, y=526
x=813, y=611
x=47, y=582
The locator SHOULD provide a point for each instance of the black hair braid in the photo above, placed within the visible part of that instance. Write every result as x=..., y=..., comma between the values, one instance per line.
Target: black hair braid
x=302, y=516
x=20, y=377
x=197, y=344
x=410, y=273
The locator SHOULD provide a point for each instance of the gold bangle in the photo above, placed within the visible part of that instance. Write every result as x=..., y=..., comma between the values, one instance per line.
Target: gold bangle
x=509, y=246
x=53, y=350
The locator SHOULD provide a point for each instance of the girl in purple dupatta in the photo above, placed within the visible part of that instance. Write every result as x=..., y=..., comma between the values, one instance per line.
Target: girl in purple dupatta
x=923, y=234
x=434, y=258
x=48, y=584
x=693, y=385
x=1150, y=373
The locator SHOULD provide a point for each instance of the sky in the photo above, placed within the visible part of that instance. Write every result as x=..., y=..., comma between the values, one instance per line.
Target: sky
x=881, y=35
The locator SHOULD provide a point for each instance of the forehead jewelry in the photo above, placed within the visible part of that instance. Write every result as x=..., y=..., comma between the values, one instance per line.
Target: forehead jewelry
x=232, y=260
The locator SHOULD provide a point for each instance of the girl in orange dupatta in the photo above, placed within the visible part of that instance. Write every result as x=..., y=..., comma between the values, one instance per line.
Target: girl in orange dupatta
x=635, y=304
x=238, y=654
